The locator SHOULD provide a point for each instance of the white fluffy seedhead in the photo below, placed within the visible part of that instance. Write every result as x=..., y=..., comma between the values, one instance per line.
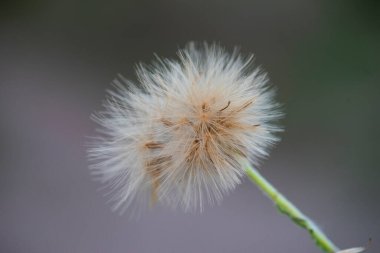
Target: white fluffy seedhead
x=180, y=135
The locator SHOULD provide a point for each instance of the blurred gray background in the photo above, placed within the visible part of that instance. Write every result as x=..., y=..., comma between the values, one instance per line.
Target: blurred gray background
x=58, y=57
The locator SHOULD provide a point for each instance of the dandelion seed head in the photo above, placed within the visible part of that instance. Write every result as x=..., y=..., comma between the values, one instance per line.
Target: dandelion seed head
x=181, y=133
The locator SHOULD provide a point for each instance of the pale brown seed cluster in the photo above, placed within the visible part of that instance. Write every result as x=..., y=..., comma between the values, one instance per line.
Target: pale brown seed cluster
x=212, y=127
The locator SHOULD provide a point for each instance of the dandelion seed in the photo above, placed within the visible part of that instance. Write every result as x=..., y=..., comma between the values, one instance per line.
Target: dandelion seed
x=180, y=133
x=352, y=250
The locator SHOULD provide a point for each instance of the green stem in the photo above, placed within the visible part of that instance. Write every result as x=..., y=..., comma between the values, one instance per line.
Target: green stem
x=286, y=207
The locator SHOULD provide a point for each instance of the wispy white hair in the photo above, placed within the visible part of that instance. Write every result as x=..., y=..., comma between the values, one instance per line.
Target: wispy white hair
x=180, y=134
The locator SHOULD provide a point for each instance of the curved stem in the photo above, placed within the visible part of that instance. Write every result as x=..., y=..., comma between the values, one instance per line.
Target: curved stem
x=287, y=208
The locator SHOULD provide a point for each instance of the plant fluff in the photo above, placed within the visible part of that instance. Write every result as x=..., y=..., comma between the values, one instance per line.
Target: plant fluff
x=180, y=135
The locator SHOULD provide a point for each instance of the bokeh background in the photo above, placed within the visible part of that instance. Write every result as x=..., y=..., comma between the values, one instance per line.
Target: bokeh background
x=58, y=57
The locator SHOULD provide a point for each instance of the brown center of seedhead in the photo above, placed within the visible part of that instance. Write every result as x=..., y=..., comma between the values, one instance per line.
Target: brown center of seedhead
x=214, y=140
x=215, y=130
